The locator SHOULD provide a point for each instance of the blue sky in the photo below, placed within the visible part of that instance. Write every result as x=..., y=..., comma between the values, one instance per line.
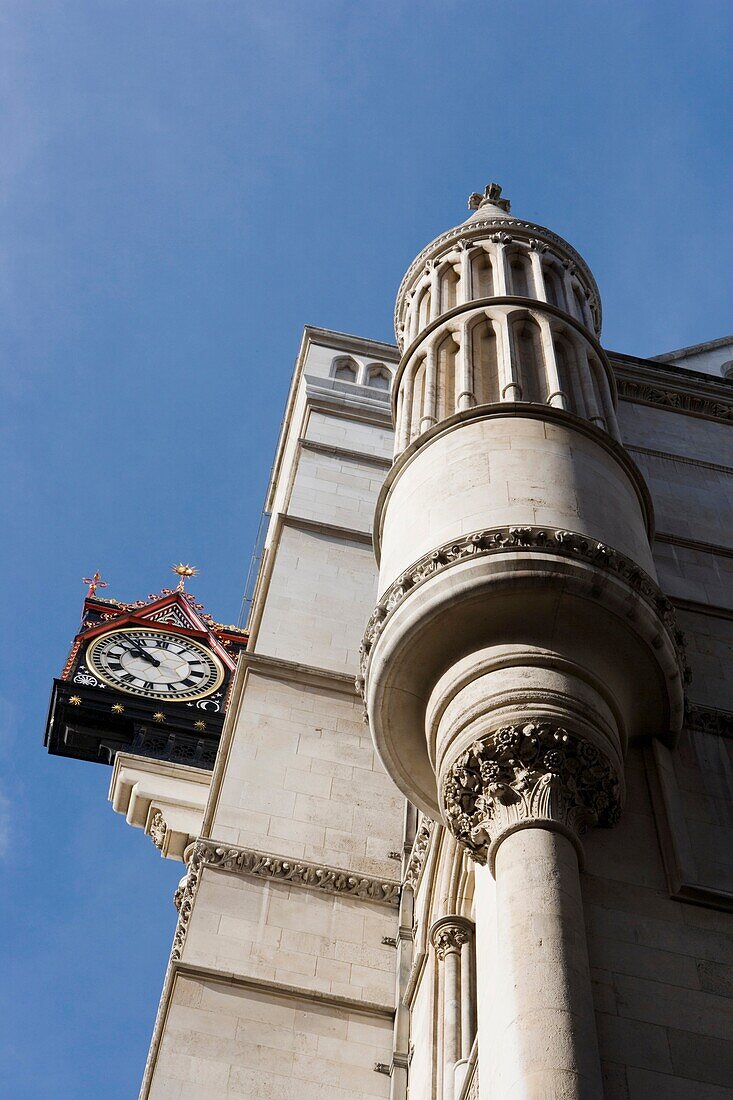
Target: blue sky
x=183, y=186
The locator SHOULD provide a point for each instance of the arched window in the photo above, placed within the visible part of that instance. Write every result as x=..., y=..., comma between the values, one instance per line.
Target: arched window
x=579, y=306
x=423, y=308
x=553, y=286
x=520, y=275
x=529, y=359
x=345, y=369
x=448, y=289
x=447, y=392
x=484, y=360
x=568, y=370
x=483, y=275
x=418, y=398
x=378, y=377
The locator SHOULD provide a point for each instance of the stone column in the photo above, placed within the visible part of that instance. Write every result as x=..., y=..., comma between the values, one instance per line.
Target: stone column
x=406, y=411
x=430, y=399
x=518, y=799
x=467, y=394
x=510, y=389
x=450, y=937
x=555, y=393
x=434, y=290
x=538, y=274
x=465, y=281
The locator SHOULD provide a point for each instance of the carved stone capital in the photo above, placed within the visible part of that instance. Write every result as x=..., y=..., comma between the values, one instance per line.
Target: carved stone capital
x=450, y=934
x=534, y=774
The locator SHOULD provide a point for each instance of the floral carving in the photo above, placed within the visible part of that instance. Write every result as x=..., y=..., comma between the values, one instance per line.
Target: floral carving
x=187, y=898
x=245, y=861
x=158, y=829
x=675, y=399
x=418, y=853
x=536, y=771
x=448, y=938
x=709, y=720
x=567, y=544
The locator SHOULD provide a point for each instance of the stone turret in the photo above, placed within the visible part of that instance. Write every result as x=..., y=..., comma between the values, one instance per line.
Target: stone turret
x=520, y=639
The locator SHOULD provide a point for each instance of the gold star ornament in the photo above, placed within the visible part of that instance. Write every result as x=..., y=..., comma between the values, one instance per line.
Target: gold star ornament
x=183, y=571
x=159, y=716
x=75, y=700
x=200, y=725
x=117, y=708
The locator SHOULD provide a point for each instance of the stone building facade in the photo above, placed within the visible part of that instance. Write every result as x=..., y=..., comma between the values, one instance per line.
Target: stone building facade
x=516, y=879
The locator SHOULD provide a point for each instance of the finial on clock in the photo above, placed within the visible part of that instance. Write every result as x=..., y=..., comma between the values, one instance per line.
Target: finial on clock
x=183, y=572
x=94, y=583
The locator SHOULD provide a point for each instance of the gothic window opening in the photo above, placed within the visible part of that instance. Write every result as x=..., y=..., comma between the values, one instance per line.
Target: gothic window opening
x=486, y=388
x=529, y=360
x=483, y=276
x=345, y=370
x=379, y=378
x=520, y=275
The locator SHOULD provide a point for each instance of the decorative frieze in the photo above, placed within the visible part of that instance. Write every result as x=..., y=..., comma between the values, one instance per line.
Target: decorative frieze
x=629, y=390
x=533, y=772
x=709, y=720
x=187, y=898
x=418, y=853
x=568, y=544
x=246, y=861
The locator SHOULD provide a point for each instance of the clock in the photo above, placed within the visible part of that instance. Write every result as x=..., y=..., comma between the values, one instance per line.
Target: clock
x=155, y=664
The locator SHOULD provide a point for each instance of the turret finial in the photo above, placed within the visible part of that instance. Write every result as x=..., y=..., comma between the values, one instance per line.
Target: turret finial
x=492, y=196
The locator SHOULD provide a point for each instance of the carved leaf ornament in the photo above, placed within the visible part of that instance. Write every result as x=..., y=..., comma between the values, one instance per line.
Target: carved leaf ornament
x=537, y=771
x=568, y=544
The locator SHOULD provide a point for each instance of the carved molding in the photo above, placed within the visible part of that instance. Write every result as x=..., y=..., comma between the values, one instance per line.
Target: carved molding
x=682, y=401
x=419, y=851
x=185, y=905
x=246, y=861
x=566, y=544
x=709, y=720
x=537, y=772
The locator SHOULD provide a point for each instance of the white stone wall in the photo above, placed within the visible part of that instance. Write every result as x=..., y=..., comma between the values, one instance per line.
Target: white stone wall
x=288, y=992
x=284, y=990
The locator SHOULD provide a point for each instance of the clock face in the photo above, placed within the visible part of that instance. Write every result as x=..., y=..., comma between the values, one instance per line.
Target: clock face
x=155, y=664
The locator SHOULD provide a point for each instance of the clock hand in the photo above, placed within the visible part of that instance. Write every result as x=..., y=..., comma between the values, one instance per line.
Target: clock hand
x=139, y=651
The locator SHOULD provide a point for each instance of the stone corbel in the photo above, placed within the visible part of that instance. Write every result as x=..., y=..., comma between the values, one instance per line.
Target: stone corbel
x=164, y=799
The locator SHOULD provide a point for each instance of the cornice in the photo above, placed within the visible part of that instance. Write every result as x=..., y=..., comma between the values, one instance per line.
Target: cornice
x=348, y=534
x=346, y=453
